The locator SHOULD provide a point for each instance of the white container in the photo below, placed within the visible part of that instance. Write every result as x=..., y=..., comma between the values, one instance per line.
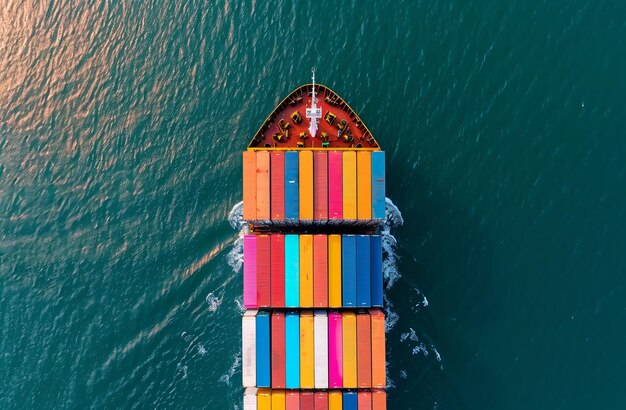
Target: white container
x=249, y=398
x=320, y=332
x=248, y=348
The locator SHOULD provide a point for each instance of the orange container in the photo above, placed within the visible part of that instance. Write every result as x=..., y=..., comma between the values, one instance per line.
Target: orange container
x=305, y=184
x=334, y=271
x=379, y=400
x=348, y=320
x=292, y=400
x=364, y=350
x=349, y=185
x=364, y=184
x=320, y=271
x=321, y=400
x=364, y=399
x=306, y=271
x=335, y=400
x=378, y=349
x=307, y=350
x=320, y=185
x=249, y=185
x=278, y=400
x=263, y=185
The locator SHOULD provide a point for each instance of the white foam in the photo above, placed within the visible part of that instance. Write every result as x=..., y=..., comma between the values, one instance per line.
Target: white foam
x=225, y=378
x=393, y=219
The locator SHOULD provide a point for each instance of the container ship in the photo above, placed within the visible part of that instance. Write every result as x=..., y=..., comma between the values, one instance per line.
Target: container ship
x=313, y=333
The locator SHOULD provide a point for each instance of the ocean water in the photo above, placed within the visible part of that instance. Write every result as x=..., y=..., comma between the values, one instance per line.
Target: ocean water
x=121, y=127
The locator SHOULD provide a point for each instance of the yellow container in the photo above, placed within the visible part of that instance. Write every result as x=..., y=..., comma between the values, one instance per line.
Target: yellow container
x=306, y=270
x=348, y=320
x=364, y=184
x=335, y=400
x=278, y=400
x=264, y=399
x=334, y=271
x=349, y=185
x=305, y=184
x=307, y=350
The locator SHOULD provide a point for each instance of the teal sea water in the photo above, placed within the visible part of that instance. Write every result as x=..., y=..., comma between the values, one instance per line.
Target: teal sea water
x=121, y=127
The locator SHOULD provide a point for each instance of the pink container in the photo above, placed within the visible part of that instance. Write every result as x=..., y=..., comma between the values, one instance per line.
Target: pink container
x=249, y=271
x=335, y=185
x=335, y=356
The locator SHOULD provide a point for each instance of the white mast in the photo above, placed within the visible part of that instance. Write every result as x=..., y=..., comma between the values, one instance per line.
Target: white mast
x=313, y=113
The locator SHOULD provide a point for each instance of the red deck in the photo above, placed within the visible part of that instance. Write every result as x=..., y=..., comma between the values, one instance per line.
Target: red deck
x=287, y=126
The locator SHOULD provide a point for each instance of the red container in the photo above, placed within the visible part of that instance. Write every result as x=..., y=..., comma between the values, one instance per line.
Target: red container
x=307, y=401
x=335, y=185
x=320, y=185
x=365, y=400
x=364, y=350
x=278, y=350
x=320, y=271
x=277, y=175
x=277, y=298
x=263, y=281
x=321, y=400
x=292, y=400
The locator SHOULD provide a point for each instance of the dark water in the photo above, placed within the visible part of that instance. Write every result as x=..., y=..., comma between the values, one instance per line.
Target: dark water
x=121, y=127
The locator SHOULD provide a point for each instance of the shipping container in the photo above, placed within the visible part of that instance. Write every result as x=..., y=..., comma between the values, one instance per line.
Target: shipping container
x=348, y=270
x=248, y=348
x=305, y=179
x=263, y=270
x=278, y=400
x=249, y=271
x=335, y=185
x=320, y=185
x=349, y=185
x=263, y=375
x=334, y=271
x=364, y=350
x=379, y=400
x=249, y=185
x=378, y=349
x=364, y=400
x=262, y=185
x=249, y=398
x=320, y=271
x=335, y=400
x=291, y=185
x=292, y=270
x=320, y=333
x=378, y=185
x=364, y=184
x=307, y=350
x=264, y=399
x=376, y=270
x=292, y=343
x=350, y=401
x=349, y=349
x=307, y=400
x=278, y=270
x=335, y=364
x=306, y=271
x=321, y=400
x=292, y=400
x=277, y=175
x=363, y=278
x=278, y=350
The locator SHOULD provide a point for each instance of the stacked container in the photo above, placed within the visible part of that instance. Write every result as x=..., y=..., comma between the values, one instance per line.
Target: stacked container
x=313, y=335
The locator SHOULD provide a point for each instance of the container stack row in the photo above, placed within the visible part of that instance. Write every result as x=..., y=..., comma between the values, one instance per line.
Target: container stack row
x=313, y=271
x=314, y=349
x=307, y=185
x=266, y=399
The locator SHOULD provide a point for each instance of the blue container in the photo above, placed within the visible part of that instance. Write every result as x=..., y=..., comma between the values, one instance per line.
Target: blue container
x=378, y=185
x=376, y=270
x=363, y=279
x=348, y=270
x=350, y=401
x=292, y=348
x=263, y=378
x=291, y=185
x=292, y=271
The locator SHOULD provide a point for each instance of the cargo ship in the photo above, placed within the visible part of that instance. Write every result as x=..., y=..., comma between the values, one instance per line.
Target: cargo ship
x=313, y=333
